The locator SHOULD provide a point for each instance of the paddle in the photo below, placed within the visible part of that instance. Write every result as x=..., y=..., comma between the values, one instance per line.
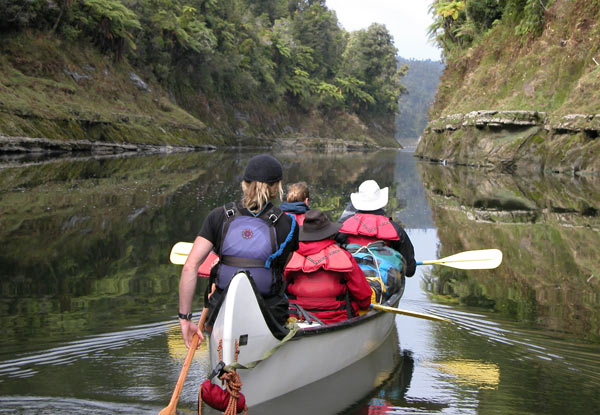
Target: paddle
x=409, y=313
x=171, y=409
x=180, y=252
x=481, y=259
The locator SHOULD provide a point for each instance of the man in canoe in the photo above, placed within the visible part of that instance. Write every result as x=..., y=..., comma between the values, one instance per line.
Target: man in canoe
x=322, y=277
x=370, y=223
x=297, y=200
x=251, y=234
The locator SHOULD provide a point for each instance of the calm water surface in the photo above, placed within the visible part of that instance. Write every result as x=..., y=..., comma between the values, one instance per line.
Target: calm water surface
x=88, y=302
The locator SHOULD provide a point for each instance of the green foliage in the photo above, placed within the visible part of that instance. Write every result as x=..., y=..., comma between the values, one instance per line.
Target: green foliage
x=109, y=23
x=370, y=57
x=317, y=28
x=18, y=14
x=457, y=24
x=354, y=91
x=284, y=52
x=483, y=13
x=449, y=17
x=533, y=17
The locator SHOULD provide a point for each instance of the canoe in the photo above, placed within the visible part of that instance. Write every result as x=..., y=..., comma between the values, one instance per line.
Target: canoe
x=313, y=353
x=337, y=393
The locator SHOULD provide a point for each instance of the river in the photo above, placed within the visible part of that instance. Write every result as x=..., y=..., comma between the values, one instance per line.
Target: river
x=88, y=302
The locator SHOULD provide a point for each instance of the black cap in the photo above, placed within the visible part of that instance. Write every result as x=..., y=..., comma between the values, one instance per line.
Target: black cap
x=317, y=227
x=263, y=168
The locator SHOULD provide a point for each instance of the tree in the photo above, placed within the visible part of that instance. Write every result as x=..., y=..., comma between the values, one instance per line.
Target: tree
x=109, y=23
x=370, y=57
x=317, y=28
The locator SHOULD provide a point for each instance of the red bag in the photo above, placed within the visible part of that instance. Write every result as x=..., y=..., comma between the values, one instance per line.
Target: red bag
x=218, y=398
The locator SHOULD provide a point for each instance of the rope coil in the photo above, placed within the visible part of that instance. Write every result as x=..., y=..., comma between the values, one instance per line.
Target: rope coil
x=232, y=381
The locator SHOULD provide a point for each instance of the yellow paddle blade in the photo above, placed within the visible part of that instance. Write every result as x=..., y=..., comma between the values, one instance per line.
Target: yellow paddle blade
x=409, y=313
x=481, y=259
x=180, y=252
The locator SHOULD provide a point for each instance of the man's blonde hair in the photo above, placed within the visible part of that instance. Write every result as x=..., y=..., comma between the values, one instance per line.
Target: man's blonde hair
x=297, y=192
x=258, y=194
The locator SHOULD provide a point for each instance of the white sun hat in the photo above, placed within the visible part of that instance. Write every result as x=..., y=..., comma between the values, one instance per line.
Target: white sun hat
x=369, y=196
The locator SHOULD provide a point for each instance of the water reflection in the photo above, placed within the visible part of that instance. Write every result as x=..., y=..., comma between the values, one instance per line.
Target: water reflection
x=88, y=300
x=548, y=228
x=82, y=238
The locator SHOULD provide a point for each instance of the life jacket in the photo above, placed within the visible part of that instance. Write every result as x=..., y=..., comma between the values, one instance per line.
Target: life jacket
x=317, y=283
x=364, y=228
x=246, y=243
x=298, y=216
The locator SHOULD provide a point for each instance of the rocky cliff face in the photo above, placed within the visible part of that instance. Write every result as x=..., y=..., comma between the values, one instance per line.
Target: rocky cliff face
x=518, y=102
x=515, y=140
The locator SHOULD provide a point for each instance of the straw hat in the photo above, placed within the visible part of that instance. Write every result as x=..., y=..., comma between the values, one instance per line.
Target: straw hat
x=369, y=196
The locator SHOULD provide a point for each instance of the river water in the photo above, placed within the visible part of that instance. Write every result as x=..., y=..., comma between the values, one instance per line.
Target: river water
x=88, y=302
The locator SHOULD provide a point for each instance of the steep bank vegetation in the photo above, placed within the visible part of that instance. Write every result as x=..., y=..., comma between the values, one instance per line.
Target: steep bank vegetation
x=541, y=56
x=193, y=71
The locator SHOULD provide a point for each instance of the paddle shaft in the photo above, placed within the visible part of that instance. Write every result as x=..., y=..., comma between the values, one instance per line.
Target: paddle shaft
x=409, y=313
x=171, y=409
x=479, y=259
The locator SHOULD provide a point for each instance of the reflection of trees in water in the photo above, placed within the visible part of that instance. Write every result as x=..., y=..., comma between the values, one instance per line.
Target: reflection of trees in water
x=84, y=237
x=548, y=229
x=332, y=177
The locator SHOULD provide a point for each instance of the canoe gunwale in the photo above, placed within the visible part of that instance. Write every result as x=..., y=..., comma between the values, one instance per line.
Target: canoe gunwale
x=347, y=324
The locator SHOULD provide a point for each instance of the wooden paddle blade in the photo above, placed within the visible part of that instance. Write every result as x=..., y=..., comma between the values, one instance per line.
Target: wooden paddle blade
x=180, y=252
x=480, y=259
x=409, y=313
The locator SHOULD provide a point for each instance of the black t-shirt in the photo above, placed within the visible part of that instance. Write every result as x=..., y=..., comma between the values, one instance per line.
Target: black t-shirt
x=212, y=229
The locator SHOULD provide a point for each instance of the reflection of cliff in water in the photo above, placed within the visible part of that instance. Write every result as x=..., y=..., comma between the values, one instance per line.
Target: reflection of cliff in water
x=548, y=228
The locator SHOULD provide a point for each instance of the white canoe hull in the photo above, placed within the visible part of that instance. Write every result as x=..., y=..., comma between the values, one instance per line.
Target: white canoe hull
x=315, y=354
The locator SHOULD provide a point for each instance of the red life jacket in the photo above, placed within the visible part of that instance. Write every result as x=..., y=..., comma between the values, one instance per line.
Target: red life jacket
x=299, y=217
x=364, y=228
x=317, y=282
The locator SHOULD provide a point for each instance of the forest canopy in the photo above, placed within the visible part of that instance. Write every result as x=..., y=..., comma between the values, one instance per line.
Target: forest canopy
x=283, y=52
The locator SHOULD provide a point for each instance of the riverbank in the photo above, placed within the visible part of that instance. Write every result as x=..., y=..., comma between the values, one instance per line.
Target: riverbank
x=515, y=141
x=21, y=146
x=539, y=75
x=79, y=98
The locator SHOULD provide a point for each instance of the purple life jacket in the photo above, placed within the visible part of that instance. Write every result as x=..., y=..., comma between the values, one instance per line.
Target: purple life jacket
x=246, y=244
